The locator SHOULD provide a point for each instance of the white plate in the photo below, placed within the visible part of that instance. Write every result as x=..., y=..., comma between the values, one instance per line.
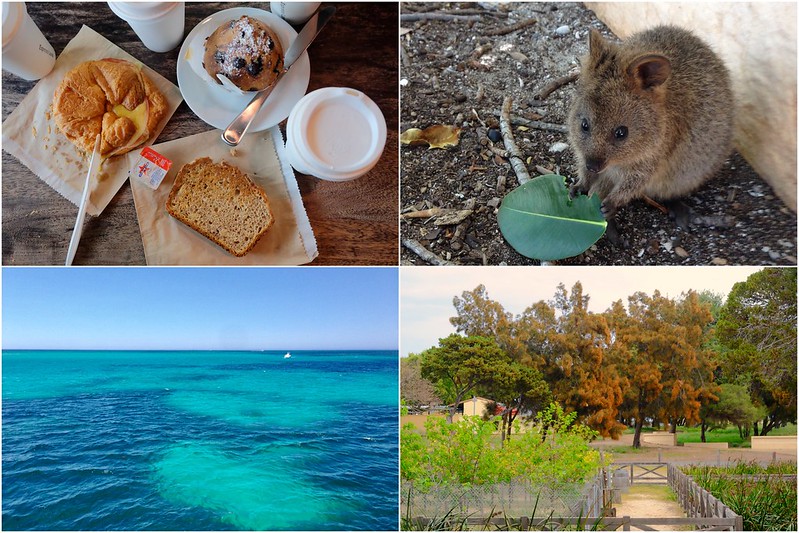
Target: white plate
x=217, y=106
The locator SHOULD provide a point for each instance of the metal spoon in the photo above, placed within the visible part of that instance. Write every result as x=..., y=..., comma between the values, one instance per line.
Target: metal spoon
x=238, y=127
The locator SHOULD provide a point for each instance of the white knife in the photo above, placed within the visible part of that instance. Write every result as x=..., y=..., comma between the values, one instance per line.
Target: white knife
x=94, y=163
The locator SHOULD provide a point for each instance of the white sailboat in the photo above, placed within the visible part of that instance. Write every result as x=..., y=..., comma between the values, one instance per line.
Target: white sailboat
x=287, y=356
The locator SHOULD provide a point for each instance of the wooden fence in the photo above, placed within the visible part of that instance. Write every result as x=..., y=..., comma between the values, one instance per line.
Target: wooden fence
x=654, y=473
x=697, y=502
x=606, y=523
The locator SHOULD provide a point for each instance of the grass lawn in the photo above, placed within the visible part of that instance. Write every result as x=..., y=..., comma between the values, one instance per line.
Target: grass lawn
x=728, y=434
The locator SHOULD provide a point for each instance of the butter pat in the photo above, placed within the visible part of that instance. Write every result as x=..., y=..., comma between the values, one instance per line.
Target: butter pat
x=150, y=168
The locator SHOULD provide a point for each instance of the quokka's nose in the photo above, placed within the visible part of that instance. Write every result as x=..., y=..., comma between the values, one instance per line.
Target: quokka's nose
x=594, y=165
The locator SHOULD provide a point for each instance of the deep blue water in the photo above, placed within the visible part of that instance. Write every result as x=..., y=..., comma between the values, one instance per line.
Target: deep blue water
x=199, y=441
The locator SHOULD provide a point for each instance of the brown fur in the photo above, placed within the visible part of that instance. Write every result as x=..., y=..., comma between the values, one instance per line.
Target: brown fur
x=672, y=94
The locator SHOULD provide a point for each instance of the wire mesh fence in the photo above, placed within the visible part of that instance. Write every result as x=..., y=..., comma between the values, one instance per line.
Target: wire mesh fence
x=512, y=499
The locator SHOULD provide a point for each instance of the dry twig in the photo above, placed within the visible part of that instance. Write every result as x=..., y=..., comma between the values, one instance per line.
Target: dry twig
x=425, y=254
x=480, y=51
x=535, y=124
x=516, y=159
x=508, y=29
x=554, y=85
x=414, y=17
x=424, y=213
x=481, y=12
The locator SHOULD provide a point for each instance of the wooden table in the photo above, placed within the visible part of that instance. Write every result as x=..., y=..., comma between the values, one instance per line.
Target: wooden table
x=355, y=223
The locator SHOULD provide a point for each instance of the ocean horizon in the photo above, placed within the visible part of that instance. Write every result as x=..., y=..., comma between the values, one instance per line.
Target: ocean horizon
x=200, y=440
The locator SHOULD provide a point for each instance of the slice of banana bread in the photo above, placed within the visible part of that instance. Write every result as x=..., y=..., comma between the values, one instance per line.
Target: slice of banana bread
x=220, y=202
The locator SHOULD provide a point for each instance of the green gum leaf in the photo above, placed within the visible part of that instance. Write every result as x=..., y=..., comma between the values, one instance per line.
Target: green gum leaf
x=540, y=221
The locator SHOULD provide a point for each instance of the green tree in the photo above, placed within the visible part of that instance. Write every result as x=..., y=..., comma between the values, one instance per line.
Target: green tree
x=479, y=315
x=520, y=389
x=734, y=406
x=462, y=363
x=757, y=328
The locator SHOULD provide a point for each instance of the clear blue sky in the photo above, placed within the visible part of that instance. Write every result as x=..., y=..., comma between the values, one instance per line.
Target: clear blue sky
x=200, y=308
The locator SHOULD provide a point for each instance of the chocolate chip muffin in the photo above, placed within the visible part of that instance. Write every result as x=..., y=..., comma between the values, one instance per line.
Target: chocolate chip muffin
x=246, y=51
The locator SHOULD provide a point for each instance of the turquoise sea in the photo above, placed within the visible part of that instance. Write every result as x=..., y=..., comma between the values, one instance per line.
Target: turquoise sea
x=198, y=440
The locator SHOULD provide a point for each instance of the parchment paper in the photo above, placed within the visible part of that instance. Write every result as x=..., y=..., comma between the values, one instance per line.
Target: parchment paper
x=290, y=240
x=31, y=135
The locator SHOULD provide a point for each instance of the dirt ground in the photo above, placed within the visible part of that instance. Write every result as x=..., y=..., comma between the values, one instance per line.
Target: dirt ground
x=650, y=501
x=457, y=72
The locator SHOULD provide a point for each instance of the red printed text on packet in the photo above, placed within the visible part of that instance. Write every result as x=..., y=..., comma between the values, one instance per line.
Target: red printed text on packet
x=150, y=167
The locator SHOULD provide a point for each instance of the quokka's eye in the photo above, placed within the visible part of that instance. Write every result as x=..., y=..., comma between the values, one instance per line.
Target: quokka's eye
x=620, y=133
x=585, y=126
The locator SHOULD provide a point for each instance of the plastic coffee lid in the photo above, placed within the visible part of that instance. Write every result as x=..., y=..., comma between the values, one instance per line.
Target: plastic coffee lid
x=335, y=133
x=141, y=10
x=13, y=15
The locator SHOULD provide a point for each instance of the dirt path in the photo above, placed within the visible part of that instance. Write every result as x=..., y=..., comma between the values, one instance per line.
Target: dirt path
x=650, y=501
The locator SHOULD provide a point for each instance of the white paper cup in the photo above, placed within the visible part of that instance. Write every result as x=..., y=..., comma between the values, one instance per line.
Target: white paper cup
x=26, y=51
x=294, y=12
x=159, y=25
x=335, y=134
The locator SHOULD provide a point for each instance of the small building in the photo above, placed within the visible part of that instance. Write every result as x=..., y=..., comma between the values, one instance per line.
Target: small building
x=476, y=406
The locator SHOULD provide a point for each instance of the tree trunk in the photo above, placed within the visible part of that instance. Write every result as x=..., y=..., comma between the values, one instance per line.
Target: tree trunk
x=768, y=425
x=756, y=431
x=704, y=427
x=673, y=426
x=639, y=424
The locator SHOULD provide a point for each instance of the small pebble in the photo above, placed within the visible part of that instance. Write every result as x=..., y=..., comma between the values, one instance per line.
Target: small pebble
x=562, y=31
x=785, y=243
x=680, y=251
x=719, y=261
x=774, y=255
x=494, y=134
x=404, y=82
x=558, y=147
x=494, y=202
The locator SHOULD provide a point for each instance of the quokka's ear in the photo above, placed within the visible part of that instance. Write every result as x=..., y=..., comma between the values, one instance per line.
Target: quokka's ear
x=596, y=45
x=649, y=71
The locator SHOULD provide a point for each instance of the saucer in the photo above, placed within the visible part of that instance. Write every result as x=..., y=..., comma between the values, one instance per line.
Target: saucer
x=217, y=106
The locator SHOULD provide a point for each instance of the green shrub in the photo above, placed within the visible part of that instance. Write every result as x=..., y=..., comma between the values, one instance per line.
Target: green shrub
x=765, y=501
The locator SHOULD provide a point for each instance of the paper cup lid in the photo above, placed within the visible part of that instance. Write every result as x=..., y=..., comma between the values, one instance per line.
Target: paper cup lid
x=339, y=133
x=13, y=13
x=141, y=10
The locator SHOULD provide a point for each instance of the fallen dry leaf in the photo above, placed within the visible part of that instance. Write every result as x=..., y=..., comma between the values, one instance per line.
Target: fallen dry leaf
x=436, y=136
